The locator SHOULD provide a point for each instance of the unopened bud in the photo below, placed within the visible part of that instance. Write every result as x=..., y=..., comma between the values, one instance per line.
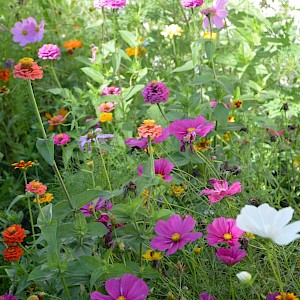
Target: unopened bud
x=244, y=277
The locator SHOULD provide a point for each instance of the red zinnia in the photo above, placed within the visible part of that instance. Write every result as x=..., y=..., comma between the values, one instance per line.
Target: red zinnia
x=27, y=68
x=13, y=234
x=4, y=75
x=13, y=253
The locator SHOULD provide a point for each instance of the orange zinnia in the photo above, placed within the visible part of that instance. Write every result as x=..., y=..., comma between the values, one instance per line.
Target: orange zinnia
x=58, y=119
x=13, y=253
x=149, y=128
x=4, y=75
x=135, y=51
x=23, y=165
x=73, y=44
x=13, y=234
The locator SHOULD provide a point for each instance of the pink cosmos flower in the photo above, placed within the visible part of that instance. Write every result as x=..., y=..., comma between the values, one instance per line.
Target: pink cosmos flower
x=216, y=13
x=107, y=106
x=221, y=190
x=7, y=296
x=27, y=31
x=231, y=256
x=36, y=187
x=191, y=3
x=127, y=287
x=49, y=51
x=206, y=296
x=186, y=130
x=102, y=204
x=162, y=168
x=61, y=139
x=174, y=234
x=111, y=90
x=224, y=230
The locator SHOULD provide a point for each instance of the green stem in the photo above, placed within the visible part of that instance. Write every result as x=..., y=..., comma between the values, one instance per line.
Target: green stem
x=40, y=208
x=37, y=113
x=152, y=172
x=54, y=75
x=105, y=170
x=63, y=281
x=163, y=114
x=231, y=283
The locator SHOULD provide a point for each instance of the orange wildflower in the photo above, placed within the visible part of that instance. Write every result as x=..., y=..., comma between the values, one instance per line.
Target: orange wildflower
x=231, y=119
x=58, y=119
x=287, y=296
x=135, y=51
x=13, y=234
x=202, y=145
x=13, y=253
x=149, y=128
x=4, y=75
x=23, y=165
x=73, y=44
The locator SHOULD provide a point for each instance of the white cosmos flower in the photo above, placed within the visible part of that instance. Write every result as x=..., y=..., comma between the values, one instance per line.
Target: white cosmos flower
x=267, y=222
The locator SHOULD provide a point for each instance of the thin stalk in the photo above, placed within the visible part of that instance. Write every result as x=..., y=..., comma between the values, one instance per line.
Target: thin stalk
x=231, y=284
x=37, y=113
x=54, y=74
x=152, y=172
x=63, y=281
x=185, y=18
x=163, y=114
x=41, y=211
x=105, y=170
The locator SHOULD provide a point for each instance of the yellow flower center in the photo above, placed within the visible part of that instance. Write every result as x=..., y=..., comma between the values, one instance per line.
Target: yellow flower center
x=121, y=298
x=24, y=32
x=176, y=237
x=149, y=122
x=91, y=207
x=26, y=62
x=190, y=129
x=12, y=230
x=37, y=29
x=227, y=236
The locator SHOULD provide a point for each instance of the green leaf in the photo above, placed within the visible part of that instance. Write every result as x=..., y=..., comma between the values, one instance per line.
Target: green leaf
x=186, y=67
x=116, y=61
x=128, y=37
x=87, y=196
x=46, y=149
x=15, y=200
x=96, y=275
x=163, y=214
x=94, y=74
x=96, y=229
x=209, y=49
x=130, y=92
x=39, y=274
x=226, y=84
x=45, y=216
x=66, y=231
x=221, y=113
x=202, y=79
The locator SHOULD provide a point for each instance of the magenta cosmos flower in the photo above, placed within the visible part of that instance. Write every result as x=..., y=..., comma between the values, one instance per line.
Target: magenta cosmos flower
x=102, y=204
x=221, y=190
x=186, y=130
x=206, y=296
x=7, y=296
x=162, y=168
x=223, y=230
x=114, y=4
x=216, y=13
x=61, y=139
x=111, y=90
x=128, y=287
x=49, y=51
x=231, y=256
x=191, y=3
x=155, y=92
x=174, y=233
x=27, y=31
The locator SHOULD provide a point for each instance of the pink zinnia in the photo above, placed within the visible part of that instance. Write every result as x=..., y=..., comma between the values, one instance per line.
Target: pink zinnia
x=7, y=296
x=36, y=187
x=231, y=256
x=186, y=130
x=221, y=190
x=107, y=106
x=61, y=139
x=224, y=230
x=127, y=287
x=111, y=90
x=49, y=51
x=206, y=296
x=27, y=68
x=155, y=92
x=174, y=234
x=216, y=13
x=191, y=3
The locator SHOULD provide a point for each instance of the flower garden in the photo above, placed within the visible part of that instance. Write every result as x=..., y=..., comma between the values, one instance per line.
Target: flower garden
x=149, y=150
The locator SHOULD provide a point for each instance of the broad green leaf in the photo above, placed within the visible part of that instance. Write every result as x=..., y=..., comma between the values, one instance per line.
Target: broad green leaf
x=45, y=216
x=116, y=61
x=46, y=149
x=130, y=92
x=128, y=37
x=96, y=229
x=221, y=113
x=202, y=79
x=226, y=84
x=94, y=74
x=186, y=67
x=85, y=197
x=39, y=274
x=209, y=49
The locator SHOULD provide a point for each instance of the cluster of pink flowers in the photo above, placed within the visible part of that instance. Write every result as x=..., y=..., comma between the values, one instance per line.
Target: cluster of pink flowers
x=114, y=4
x=28, y=31
x=49, y=51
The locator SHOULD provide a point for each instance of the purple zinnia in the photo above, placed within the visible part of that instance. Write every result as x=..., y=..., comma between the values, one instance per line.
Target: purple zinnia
x=155, y=92
x=174, y=233
x=187, y=129
x=206, y=296
x=231, y=256
x=127, y=287
x=216, y=14
x=191, y=3
x=114, y=4
x=49, y=51
x=27, y=31
x=61, y=139
x=93, y=136
x=7, y=296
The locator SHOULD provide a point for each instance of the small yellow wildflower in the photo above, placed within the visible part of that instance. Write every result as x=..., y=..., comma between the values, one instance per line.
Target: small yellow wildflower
x=231, y=119
x=208, y=36
x=145, y=194
x=176, y=190
x=226, y=136
x=43, y=198
x=152, y=255
x=197, y=250
x=171, y=30
x=237, y=103
x=202, y=145
x=135, y=51
x=249, y=235
x=105, y=117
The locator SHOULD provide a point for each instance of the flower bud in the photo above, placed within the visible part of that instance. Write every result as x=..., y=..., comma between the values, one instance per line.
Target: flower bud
x=244, y=277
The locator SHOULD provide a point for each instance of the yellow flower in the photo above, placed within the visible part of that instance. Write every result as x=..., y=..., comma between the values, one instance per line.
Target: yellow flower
x=135, y=51
x=202, y=145
x=197, y=250
x=226, y=136
x=177, y=190
x=287, y=296
x=231, y=119
x=23, y=165
x=249, y=235
x=145, y=194
x=207, y=36
x=105, y=117
x=237, y=103
x=171, y=30
x=152, y=255
x=43, y=198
